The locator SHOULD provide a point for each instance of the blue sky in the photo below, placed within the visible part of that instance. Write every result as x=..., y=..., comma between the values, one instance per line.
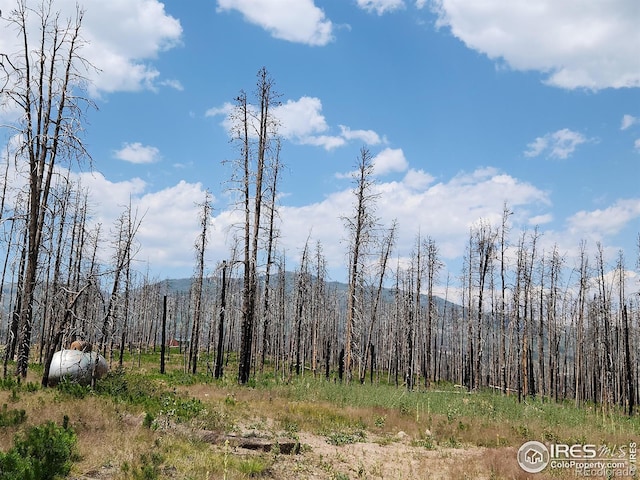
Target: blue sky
x=465, y=105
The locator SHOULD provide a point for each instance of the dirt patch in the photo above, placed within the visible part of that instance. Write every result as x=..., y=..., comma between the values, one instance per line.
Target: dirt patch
x=383, y=459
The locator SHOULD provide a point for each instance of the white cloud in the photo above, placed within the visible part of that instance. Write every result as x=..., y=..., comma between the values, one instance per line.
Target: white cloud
x=118, y=195
x=175, y=84
x=301, y=118
x=602, y=222
x=636, y=144
x=137, y=153
x=558, y=144
x=299, y=21
x=122, y=39
x=224, y=111
x=169, y=224
x=588, y=44
x=122, y=48
x=417, y=179
x=328, y=142
x=628, y=121
x=538, y=146
x=389, y=160
x=541, y=219
x=302, y=121
x=443, y=211
x=367, y=136
x=381, y=6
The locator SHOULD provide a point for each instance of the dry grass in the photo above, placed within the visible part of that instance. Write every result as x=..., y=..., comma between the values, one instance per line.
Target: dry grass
x=372, y=432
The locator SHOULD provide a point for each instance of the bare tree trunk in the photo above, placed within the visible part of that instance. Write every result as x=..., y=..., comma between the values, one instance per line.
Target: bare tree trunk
x=360, y=227
x=301, y=299
x=201, y=245
x=503, y=288
x=164, y=335
x=42, y=78
x=579, y=353
x=628, y=364
x=485, y=239
x=387, y=245
x=127, y=226
x=253, y=177
x=433, y=267
x=223, y=308
x=552, y=325
x=271, y=238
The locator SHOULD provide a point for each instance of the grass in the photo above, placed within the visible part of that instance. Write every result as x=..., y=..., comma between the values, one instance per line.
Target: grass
x=140, y=424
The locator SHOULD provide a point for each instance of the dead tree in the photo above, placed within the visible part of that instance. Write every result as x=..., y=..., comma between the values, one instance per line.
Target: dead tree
x=255, y=129
x=127, y=226
x=271, y=239
x=433, y=268
x=42, y=80
x=302, y=292
x=360, y=228
x=221, y=315
x=553, y=328
x=484, y=239
x=200, y=246
x=579, y=363
x=319, y=311
x=387, y=246
x=502, y=361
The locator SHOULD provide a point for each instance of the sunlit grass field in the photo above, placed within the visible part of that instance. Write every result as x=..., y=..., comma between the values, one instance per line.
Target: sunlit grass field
x=139, y=424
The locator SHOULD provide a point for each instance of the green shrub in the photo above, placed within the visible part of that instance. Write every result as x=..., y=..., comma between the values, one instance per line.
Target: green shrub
x=148, y=469
x=10, y=418
x=344, y=438
x=44, y=452
x=15, y=467
x=32, y=387
x=252, y=467
x=8, y=383
x=72, y=388
x=127, y=388
x=148, y=421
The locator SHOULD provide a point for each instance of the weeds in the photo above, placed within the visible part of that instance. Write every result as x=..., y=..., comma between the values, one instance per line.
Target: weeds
x=72, y=389
x=13, y=417
x=252, y=467
x=141, y=391
x=43, y=453
x=344, y=438
x=343, y=414
x=148, y=467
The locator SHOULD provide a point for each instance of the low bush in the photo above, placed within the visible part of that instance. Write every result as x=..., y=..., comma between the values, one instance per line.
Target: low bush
x=44, y=452
x=11, y=417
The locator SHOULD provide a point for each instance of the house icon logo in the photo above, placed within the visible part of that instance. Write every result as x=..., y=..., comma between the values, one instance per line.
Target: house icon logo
x=533, y=457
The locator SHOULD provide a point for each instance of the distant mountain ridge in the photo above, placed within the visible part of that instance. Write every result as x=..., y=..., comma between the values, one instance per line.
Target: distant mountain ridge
x=183, y=285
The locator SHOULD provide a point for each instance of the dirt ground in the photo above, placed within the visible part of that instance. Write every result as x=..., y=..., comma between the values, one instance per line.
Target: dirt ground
x=395, y=460
x=373, y=459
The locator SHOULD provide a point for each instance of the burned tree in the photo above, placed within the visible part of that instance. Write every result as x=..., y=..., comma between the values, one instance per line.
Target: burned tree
x=255, y=131
x=200, y=246
x=42, y=81
x=360, y=228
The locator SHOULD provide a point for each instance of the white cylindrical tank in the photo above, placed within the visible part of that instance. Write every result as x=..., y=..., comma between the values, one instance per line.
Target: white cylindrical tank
x=77, y=366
